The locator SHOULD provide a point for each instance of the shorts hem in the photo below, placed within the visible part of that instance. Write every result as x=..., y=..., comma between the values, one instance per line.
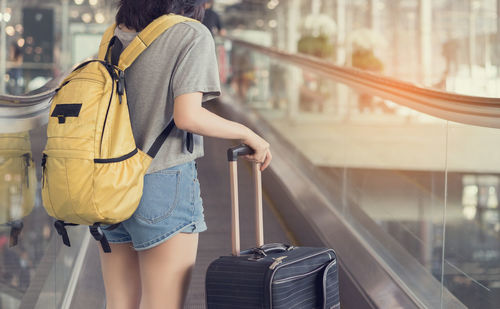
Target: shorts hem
x=120, y=240
x=162, y=238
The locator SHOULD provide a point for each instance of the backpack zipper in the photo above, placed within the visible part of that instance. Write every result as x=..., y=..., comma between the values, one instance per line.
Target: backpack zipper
x=77, y=78
x=107, y=111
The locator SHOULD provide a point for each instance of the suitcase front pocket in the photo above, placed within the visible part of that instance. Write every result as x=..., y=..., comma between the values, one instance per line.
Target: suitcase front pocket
x=299, y=291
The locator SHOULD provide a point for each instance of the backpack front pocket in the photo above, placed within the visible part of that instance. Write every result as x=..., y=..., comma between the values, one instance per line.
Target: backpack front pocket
x=75, y=117
x=67, y=189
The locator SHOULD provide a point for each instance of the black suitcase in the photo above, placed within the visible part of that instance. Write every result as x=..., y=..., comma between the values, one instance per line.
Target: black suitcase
x=276, y=276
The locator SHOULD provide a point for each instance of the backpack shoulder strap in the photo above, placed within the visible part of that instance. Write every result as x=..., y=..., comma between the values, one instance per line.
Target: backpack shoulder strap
x=106, y=38
x=147, y=36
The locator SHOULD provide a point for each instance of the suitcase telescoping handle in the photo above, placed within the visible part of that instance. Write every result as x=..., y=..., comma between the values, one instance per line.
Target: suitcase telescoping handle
x=232, y=156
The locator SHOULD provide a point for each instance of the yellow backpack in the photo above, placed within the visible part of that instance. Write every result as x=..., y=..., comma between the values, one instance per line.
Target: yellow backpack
x=17, y=181
x=93, y=172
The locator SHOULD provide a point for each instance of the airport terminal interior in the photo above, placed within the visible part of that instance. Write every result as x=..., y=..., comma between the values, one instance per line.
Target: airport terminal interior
x=383, y=117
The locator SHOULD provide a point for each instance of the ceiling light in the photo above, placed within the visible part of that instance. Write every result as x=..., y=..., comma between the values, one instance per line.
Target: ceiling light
x=10, y=30
x=99, y=18
x=87, y=18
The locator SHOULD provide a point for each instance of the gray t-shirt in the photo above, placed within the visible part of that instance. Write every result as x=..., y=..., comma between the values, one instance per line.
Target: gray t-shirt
x=181, y=60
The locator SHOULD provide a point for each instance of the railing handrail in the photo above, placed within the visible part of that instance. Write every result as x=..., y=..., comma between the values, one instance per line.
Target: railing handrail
x=474, y=110
x=32, y=98
x=24, y=112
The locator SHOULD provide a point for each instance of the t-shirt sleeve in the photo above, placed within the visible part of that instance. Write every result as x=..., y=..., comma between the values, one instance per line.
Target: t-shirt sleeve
x=197, y=70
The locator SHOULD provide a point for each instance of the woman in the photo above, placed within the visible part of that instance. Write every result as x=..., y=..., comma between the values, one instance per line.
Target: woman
x=154, y=251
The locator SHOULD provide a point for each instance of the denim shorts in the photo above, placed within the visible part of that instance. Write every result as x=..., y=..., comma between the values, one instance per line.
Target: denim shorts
x=170, y=203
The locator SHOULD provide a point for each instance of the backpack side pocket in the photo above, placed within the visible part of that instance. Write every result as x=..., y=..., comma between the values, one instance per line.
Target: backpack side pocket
x=118, y=185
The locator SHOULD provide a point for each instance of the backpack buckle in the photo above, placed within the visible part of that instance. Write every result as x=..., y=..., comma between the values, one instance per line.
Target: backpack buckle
x=121, y=83
x=61, y=230
x=98, y=235
x=96, y=231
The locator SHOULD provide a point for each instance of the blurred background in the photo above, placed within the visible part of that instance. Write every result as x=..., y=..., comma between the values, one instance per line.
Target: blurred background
x=390, y=108
x=445, y=44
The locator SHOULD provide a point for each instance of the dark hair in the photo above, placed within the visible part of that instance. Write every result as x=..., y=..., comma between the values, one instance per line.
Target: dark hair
x=137, y=14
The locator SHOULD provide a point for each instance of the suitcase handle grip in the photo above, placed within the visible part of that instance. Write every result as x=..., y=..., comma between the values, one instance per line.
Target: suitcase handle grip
x=240, y=150
x=270, y=248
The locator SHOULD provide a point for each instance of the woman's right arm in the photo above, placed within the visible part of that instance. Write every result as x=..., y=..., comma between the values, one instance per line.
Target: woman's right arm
x=190, y=115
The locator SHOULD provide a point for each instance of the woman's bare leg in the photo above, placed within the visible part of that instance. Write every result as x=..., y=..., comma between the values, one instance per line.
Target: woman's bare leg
x=166, y=272
x=122, y=281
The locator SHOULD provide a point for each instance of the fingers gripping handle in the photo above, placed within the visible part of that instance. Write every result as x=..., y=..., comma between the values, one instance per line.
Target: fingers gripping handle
x=233, y=154
x=240, y=150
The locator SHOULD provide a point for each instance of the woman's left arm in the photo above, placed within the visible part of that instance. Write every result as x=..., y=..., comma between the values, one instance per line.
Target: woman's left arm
x=190, y=115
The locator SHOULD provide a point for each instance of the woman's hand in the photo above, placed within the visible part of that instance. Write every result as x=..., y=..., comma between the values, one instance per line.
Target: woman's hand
x=261, y=147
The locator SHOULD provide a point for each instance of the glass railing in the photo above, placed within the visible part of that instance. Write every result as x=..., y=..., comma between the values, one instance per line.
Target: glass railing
x=35, y=269
x=43, y=39
x=447, y=44
x=421, y=191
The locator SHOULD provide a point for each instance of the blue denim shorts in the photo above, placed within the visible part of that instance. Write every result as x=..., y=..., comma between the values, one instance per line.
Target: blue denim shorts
x=170, y=203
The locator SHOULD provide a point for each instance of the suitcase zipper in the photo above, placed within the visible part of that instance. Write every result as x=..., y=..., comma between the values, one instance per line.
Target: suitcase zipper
x=277, y=261
x=299, y=260
x=299, y=276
